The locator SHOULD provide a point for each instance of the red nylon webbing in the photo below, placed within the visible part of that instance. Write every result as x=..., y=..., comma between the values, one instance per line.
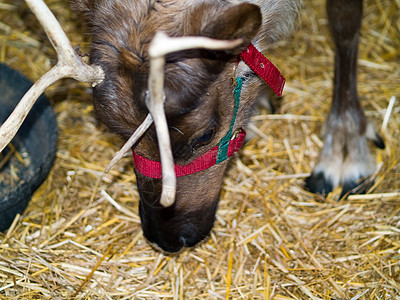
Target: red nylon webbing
x=152, y=169
x=264, y=68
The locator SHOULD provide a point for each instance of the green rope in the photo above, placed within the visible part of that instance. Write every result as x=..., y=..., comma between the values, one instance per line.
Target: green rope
x=224, y=143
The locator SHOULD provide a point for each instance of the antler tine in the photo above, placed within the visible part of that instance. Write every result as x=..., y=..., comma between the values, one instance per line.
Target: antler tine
x=159, y=47
x=155, y=104
x=69, y=65
x=132, y=140
x=162, y=44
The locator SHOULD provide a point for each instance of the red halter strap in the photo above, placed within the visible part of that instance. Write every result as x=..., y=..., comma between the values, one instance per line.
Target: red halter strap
x=152, y=169
x=228, y=145
x=264, y=68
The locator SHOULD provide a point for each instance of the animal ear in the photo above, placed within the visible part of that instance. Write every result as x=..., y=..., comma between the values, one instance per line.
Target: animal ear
x=228, y=22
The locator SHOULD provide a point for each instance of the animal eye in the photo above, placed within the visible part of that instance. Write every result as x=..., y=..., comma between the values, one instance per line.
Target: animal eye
x=206, y=137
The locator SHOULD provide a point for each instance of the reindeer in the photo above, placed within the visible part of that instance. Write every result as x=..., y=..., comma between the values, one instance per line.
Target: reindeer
x=199, y=91
x=201, y=97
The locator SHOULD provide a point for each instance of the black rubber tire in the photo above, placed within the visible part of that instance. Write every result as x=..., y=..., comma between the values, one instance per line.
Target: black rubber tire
x=38, y=135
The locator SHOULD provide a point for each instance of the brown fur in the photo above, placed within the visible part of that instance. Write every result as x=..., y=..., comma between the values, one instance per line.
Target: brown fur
x=199, y=95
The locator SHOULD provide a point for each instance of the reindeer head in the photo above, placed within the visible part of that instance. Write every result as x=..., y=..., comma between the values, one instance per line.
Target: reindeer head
x=199, y=99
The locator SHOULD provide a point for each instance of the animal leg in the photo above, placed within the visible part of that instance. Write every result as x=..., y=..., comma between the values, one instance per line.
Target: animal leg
x=345, y=158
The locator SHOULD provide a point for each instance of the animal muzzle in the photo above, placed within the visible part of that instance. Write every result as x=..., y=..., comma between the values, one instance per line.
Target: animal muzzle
x=190, y=218
x=172, y=228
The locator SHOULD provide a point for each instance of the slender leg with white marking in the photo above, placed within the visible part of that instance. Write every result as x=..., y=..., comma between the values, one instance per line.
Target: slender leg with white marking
x=345, y=158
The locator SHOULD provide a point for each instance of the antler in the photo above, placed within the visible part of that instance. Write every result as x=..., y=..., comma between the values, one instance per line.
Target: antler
x=69, y=65
x=160, y=46
x=129, y=143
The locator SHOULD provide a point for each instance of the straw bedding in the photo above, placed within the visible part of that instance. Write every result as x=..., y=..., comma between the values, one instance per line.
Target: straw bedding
x=80, y=236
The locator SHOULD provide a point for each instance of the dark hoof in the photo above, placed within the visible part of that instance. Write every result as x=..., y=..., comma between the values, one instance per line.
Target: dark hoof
x=317, y=183
x=356, y=187
x=379, y=142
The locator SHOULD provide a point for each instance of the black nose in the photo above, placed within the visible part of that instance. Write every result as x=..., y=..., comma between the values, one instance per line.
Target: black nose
x=171, y=229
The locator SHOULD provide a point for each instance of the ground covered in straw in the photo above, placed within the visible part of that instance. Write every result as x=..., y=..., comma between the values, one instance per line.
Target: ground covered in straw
x=80, y=236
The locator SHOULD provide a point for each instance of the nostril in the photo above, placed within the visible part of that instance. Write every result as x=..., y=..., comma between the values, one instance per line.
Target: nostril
x=189, y=241
x=183, y=241
x=174, y=243
x=171, y=230
x=166, y=247
x=190, y=235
